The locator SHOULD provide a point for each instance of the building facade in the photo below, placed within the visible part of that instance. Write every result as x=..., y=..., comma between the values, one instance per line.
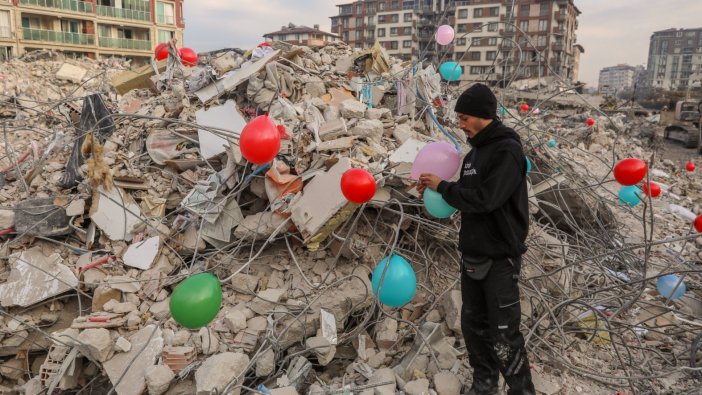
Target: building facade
x=302, y=35
x=93, y=28
x=616, y=79
x=494, y=41
x=675, y=59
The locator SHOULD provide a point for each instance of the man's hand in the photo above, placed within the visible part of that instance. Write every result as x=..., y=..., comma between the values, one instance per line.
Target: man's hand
x=430, y=181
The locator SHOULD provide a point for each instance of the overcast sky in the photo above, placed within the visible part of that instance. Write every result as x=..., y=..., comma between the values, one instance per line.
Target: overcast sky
x=612, y=31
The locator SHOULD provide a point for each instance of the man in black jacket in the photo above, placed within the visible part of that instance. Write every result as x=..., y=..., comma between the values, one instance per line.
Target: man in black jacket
x=492, y=197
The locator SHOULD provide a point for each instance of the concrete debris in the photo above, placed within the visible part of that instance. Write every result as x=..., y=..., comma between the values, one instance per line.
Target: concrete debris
x=98, y=230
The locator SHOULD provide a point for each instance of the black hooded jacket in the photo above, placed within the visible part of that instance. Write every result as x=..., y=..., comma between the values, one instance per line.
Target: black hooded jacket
x=492, y=195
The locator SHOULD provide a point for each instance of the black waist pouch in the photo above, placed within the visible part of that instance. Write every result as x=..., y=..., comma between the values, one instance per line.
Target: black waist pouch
x=477, y=268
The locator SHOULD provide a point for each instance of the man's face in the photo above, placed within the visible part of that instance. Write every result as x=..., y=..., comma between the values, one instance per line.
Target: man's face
x=470, y=124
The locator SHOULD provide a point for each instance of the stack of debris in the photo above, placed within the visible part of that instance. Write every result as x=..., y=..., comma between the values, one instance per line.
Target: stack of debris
x=117, y=185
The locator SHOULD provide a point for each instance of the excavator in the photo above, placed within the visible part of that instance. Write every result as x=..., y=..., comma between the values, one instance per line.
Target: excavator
x=685, y=125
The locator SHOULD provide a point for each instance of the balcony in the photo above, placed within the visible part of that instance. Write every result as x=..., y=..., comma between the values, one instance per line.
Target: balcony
x=67, y=5
x=125, y=43
x=124, y=13
x=57, y=36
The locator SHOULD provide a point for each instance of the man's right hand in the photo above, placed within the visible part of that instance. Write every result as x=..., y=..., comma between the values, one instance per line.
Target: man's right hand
x=420, y=189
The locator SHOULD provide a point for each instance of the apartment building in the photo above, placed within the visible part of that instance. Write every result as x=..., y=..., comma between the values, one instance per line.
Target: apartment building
x=489, y=34
x=675, y=58
x=93, y=28
x=302, y=35
x=618, y=78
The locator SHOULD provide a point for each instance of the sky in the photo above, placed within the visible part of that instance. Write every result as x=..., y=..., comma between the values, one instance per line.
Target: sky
x=611, y=31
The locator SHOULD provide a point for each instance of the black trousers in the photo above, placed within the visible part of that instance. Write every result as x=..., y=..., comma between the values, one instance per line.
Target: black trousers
x=490, y=319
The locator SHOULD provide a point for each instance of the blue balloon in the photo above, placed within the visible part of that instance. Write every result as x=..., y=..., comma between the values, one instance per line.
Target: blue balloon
x=630, y=195
x=399, y=282
x=436, y=205
x=502, y=110
x=552, y=143
x=451, y=71
x=528, y=164
x=666, y=284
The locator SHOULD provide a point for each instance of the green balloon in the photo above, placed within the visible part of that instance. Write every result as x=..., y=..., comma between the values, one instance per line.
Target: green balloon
x=196, y=301
x=436, y=205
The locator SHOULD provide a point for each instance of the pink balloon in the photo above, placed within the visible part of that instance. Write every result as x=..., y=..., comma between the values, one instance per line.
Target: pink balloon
x=444, y=35
x=440, y=158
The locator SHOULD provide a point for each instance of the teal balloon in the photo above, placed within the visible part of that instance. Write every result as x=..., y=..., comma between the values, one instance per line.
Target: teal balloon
x=666, y=284
x=528, y=162
x=436, y=205
x=399, y=283
x=552, y=143
x=195, y=302
x=502, y=110
x=630, y=195
x=451, y=71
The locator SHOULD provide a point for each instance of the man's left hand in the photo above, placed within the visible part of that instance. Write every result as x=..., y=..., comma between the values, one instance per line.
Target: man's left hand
x=430, y=181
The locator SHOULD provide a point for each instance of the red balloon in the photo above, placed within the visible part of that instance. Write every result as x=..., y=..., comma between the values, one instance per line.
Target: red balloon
x=630, y=171
x=590, y=122
x=161, y=51
x=655, y=189
x=525, y=107
x=690, y=166
x=188, y=56
x=358, y=185
x=260, y=140
x=698, y=223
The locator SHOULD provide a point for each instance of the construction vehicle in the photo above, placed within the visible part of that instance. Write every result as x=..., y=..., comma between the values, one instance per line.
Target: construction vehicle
x=685, y=124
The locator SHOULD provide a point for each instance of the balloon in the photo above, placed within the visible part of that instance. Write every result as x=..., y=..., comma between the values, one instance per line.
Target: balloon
x=161, y=51
x=444, y=35
x=358, y=185
x=451, y=71
x=590, y=122
x=440, y=158
x=629, y=195
x=436, y=205
x=260, y=140
x=399, y=283
x=690, y=166
x=502, y=110
x=528, y=164
x=666, y=284
x=537, y=111
x=196, y=301
x=698, y=223
x=630, y=171
x=552, y=143
x=188, y=56
x=655, y=189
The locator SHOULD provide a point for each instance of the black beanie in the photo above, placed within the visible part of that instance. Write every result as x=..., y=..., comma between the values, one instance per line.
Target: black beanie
x=478, y=101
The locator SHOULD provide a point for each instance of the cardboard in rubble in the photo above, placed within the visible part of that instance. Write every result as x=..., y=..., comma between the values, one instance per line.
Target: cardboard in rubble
x=139, y=78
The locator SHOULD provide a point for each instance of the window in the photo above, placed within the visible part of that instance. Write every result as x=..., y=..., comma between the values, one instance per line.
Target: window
x=165, y=35
x=509, y=27
x=541, y=41
x=358, y=35
x=475, y=55
x=408, y=17
x=165, y=13
x=475, y=41
x=407, y=31
x=381, y=32
x=678, y=43
x=492, y=27
x=407, y=44
x=462, y=28
x=458, y=55
x=393, y=31
x=524, y=26
x=461, y=41
x=491, y=55
x=393, y=45
x=394, y=18
x=678, y=34
x=543, y=25
x=492, y=41
x=359, y=21
x=477, y=27
x=359, y=8
x=5, y=27
x=345, y=22
x=494, y=11
x=395, y=5
x=381, y=6
x=477, y=13
x=462, y=14
x=371, y=20
x=524, y=10
x=543, y=11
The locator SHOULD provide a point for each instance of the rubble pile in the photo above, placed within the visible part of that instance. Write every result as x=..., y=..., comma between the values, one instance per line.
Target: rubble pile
x=118, y=184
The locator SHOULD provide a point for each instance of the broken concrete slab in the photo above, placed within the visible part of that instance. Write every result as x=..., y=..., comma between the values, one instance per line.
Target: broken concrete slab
x=447, y=383
x=218, y=370
x=234, y=78
x=142, y=255
x=225, y=117
x=158, y=379
x=266, y=301
x=352, y=108
x=115, y=213
x=71, y=73
x=452, y=310
x=34, y=277
x=322, y=349
x=96, y=344
x=130, y=367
